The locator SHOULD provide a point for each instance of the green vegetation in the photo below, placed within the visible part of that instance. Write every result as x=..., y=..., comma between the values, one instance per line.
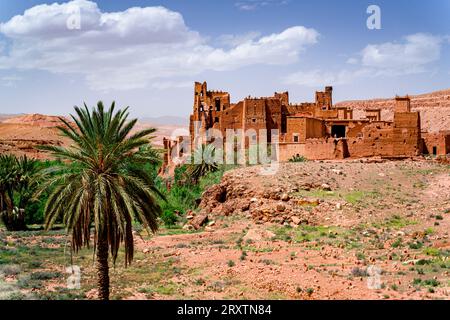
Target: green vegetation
x=308, y=233
x=202, y=163
x=298, y=158
x=395, y=222
x=183, y=194
x=353, y=197
x=101, y=182
x=17, y=185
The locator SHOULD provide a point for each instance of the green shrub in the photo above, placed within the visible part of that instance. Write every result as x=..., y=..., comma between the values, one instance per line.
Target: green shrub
x=231, y=263
x=298, y=158
x=45, y=275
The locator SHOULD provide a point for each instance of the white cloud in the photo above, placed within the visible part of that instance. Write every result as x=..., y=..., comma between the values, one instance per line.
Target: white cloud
x=133, y=48
x=411, y=56
x=250, y=5
x=414, y=55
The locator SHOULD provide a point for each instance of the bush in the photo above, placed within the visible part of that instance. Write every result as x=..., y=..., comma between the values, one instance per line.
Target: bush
x=10, y=270
x=183, y=195
x=45, y=275
x=298, y=158
x=230, y=263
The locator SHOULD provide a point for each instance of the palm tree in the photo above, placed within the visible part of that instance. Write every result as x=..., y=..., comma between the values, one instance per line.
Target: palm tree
x=7, y=184
x=102, y=183
x=17, y=185
x=203, y=162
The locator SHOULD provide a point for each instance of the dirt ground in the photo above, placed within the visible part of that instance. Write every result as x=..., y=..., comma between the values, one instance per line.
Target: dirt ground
x=379, y=232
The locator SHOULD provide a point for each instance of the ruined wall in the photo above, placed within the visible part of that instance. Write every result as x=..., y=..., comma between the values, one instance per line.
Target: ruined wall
x=304, y=109
x=304, y=128
x=374, y=139
x=436, y=142
x=402, y=104
x=406, y=138
x=373, y=114
x=314, y=149
x=324, y=99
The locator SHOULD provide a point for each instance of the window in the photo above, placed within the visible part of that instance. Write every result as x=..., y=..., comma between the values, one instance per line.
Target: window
x=217, y=104
x=201, y=108
x=254, y=120
x=296, y=139
x=216, y=119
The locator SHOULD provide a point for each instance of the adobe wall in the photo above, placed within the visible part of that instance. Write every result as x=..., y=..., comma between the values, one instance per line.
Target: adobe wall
x=304, y=128
x=370, y=139
x=406, y=138
x=441, y=141
x=325, y=98
x=314, y=149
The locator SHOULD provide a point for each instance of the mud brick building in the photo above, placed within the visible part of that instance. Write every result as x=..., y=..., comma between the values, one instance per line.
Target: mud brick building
x=316, y=130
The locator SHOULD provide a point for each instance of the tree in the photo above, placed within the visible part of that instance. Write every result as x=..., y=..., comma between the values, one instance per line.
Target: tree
x=102, y=183
x=17, y=184
x=203, y=162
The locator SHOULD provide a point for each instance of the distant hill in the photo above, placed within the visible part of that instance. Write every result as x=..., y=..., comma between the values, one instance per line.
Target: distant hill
x=20, y=134
x=40, y=120
x=434, y=109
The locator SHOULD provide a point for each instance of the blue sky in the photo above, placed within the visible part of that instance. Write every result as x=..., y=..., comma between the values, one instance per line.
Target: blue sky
x=149, y=57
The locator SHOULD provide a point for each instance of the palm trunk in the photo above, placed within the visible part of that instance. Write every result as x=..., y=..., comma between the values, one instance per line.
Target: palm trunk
x=102, y=268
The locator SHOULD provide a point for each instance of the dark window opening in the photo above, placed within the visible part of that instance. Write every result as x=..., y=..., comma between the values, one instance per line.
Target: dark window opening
x=434, y=150
x=254, y=120
x=217, y=104
x=216, y=119
x=295, y=138
x=338, y=131
x=201, y=108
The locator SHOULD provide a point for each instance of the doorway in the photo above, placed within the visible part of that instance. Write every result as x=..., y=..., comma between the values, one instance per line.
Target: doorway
x=338, y=131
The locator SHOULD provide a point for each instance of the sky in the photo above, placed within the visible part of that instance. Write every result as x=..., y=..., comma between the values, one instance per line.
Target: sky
x=147, y=54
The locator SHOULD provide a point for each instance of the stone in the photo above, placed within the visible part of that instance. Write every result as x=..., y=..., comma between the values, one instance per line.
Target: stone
x=281, y=207
x=326, y=187
x=188, y=227
x=199, y=221
x=296, y=220
x=285, y=197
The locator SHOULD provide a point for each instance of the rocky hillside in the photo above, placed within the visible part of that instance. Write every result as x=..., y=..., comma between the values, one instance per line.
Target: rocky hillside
x=434, y=109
